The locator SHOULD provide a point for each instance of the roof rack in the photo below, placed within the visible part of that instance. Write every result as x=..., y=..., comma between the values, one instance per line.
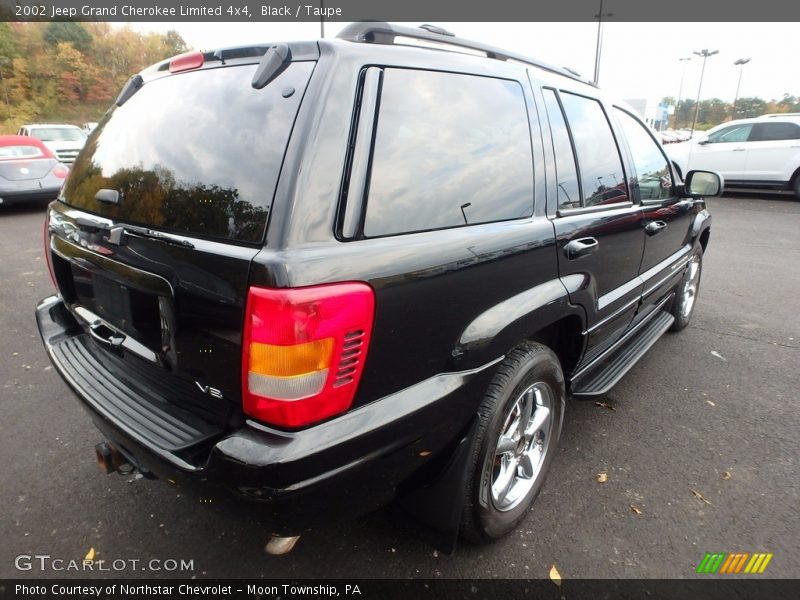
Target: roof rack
x=779, y=115
x=385, y=33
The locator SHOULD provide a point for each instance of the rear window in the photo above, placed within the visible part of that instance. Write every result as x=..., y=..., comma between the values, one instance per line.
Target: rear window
x=11, y=152
x=197, y=153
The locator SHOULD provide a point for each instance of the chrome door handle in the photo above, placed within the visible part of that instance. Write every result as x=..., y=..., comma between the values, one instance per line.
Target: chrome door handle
x=655, y=227
x=582, y=247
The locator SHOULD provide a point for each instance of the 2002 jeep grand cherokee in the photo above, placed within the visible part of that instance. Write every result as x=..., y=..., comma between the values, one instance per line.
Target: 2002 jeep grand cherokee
x=328, y=274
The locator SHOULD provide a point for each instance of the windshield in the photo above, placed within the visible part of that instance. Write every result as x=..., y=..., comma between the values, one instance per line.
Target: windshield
x=205, y=162
x=58, y=134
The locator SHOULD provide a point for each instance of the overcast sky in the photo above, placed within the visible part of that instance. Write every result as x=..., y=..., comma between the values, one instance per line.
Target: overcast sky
x=639, y=60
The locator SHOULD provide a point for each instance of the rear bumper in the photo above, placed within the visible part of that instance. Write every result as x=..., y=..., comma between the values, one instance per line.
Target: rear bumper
x=344, y=467
x=18, y=197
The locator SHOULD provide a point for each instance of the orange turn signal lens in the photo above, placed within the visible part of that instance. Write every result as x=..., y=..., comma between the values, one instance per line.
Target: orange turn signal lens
x=290, y=361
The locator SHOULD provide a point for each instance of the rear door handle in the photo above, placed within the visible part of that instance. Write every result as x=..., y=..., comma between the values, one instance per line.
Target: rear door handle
x=655, y=227
x=739, y=149
x=582, y=247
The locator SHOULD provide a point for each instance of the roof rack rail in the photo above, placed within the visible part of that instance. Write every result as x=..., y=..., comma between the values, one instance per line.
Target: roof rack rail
x=376, y=32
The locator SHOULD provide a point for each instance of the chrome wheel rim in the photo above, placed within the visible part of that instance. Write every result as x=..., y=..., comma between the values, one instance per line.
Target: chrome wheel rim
x=690, y=287
x=521, y=447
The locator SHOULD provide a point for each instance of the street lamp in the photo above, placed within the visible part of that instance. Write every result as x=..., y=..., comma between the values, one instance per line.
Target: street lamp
x=680, y=88
x=705, y=54
x=739, y=63
x=599, y=16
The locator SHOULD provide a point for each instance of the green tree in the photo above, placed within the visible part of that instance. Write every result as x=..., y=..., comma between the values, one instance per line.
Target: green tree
x=70, y=32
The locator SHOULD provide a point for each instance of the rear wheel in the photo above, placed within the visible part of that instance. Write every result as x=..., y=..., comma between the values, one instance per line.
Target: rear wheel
x=519, y=425
x=686, y=292
x=796, y=187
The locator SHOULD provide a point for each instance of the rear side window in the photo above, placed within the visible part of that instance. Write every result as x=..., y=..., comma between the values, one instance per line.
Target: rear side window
x=450, y=150
x=197, y=153
x=569, y=194
x=602, y=177
x=769, y=132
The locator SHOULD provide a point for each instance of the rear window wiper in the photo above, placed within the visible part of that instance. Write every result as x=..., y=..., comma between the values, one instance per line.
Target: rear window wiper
x=157, y=235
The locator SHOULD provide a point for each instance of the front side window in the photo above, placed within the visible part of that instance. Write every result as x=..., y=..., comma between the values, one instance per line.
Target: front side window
x=730, y=135
x=653, y=176
x=602, y=176
x=450, y=150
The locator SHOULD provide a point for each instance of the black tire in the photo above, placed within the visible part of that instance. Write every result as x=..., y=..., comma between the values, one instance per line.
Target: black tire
x=531, y=368
x=796, y=187
x=680, y=310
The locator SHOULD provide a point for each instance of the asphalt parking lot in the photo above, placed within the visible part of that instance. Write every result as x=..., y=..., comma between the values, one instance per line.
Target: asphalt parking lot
x=703, y=440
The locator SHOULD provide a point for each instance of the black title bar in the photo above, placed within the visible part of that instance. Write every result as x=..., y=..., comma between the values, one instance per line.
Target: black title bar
x=398, y=10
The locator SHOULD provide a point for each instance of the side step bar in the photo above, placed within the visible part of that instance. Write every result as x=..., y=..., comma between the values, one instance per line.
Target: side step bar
x=600, y=377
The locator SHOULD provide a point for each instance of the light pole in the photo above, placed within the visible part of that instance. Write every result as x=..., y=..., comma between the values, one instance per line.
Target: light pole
x=739, y=63
x=321, y=19
x=680, y=88
x=599, y=16
x=705, y=54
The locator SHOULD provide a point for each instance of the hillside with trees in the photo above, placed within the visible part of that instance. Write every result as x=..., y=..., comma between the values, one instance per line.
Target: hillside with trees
x=71, y=72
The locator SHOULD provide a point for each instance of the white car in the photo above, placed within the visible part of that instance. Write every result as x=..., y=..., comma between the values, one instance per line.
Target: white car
x=763, y=152
x=65, y=141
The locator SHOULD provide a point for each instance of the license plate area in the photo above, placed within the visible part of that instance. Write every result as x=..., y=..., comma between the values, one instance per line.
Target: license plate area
x=130, y=311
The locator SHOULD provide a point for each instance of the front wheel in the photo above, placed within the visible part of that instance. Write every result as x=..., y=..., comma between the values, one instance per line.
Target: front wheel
x=519, y=425
x=686, y=292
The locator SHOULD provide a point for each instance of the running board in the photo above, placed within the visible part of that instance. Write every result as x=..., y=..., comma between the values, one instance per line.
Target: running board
x=604, y=375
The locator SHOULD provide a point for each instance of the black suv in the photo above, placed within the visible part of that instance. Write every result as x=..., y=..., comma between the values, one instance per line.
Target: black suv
x=328, y=274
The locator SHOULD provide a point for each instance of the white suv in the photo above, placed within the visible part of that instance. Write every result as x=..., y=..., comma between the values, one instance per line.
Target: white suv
x=65, y=141
x=756, y=153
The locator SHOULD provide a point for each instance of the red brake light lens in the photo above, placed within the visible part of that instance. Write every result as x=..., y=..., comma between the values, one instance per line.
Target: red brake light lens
x=304, y=351
x=186, y=62
x=60, y=171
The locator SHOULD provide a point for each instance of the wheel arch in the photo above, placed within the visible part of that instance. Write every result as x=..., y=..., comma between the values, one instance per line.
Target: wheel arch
x=541, y=314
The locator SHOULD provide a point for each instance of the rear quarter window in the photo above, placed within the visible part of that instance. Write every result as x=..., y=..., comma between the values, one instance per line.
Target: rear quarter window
x=450, y=150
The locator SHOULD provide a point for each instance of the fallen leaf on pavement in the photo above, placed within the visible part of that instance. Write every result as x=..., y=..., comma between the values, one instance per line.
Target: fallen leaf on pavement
x=604, y=405
x=555, y=576
x=719, y=356
x=711, y=402
x=602, y=477
x=699, y=496
x=89, y=554
x=726, y=475
x=636, y=510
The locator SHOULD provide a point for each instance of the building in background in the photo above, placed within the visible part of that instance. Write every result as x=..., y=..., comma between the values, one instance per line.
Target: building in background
x=653, y=113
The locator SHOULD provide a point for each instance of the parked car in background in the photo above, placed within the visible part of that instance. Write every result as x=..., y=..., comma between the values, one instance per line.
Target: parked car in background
x=65, y=141
x=381, y=294
x=28, y=171
x=763, y=152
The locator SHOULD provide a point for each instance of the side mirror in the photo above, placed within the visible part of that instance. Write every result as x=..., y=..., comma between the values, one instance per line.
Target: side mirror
x=699, y=184
x=703, y=141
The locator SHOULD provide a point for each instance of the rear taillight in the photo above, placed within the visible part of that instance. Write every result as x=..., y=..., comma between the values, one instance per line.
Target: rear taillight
x=46, y=240
x=304, y=351
x=60, y=171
